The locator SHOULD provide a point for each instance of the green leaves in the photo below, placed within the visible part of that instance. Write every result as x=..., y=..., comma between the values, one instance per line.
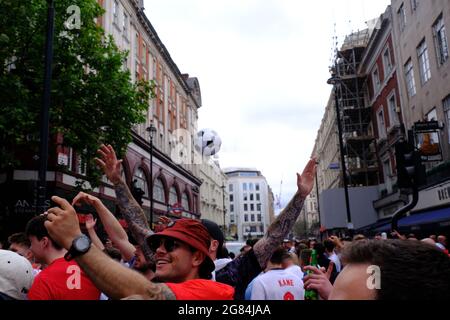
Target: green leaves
x=93, y=99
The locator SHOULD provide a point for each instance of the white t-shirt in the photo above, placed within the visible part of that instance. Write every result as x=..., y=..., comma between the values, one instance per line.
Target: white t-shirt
x=295, y=269
x=337, y=262
x=278, y=284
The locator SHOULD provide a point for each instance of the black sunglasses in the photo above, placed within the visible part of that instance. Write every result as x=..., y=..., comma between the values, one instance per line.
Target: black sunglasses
x=168, y=243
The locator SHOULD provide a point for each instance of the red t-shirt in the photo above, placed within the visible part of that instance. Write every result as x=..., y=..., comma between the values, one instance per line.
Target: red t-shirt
x=199, y=289
x=63, y=280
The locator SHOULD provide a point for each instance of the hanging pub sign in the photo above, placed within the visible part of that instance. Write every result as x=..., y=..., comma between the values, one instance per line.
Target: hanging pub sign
x=426, y=137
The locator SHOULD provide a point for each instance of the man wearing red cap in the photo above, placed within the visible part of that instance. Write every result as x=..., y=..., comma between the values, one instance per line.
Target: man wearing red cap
x=181, y=254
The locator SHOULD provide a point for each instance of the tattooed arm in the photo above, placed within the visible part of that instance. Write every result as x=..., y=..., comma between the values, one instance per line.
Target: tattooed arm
x=280, y=228
x=131, y=210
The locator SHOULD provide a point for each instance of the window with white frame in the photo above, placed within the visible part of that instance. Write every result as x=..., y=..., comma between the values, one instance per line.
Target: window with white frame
x=401, y=13
x=440, y=41
x=158, y=191
x=409, y=78
x=140, y=181
x=446, y=105
x=245, y=207
x=387, y=61
x=116, y=12
x=381, y=124
x=432, y=116
x=393, y=114
x=424, y=62
x=230, y=188
x=387, y=172
x=376, y=80
x=257, y=186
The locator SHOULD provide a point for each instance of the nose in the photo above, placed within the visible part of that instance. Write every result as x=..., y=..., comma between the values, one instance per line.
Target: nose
x=161, y=249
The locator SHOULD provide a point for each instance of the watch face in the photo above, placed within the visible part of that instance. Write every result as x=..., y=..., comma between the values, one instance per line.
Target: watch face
x=82, y=244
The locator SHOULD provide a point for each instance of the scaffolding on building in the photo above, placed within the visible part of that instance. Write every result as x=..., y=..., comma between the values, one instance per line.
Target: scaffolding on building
x=355, y=112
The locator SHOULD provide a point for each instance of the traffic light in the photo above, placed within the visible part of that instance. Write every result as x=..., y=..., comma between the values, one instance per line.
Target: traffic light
x=410, y=170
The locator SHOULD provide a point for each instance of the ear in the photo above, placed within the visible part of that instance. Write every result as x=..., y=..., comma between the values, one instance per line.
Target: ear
x=198, y=258
x=214, y=246
x=45, y=242
x=29, y=255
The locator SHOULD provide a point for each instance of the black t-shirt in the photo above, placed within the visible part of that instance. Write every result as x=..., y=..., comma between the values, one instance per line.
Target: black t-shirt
x=239, y=273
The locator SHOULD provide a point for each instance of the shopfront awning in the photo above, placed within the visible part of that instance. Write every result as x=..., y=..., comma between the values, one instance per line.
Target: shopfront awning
x=428, y=217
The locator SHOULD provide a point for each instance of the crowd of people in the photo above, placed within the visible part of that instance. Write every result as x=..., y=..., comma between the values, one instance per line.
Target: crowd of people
x=58, y=258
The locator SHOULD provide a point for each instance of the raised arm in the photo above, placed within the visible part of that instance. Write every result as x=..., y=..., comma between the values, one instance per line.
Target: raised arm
x=112, y=226
x=131, y=210
x=284, y=223
x=109, y=276
x=90, y=226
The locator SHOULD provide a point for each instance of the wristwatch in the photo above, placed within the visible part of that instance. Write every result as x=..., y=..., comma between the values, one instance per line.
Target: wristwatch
x=80, y=246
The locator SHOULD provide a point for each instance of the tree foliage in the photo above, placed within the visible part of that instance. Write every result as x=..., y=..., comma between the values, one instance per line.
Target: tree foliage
x=93, y=98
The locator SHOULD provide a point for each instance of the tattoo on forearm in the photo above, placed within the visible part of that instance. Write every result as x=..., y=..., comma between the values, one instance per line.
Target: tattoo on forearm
x=134, y=216
x=159, y=291
x=278, y=230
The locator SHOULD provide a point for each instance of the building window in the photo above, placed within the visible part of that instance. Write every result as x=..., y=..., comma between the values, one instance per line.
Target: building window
x=158, y=191
x=440, y=41
x=245, y=207
x=231, y=207
x=231, y=198
x=251, y=186
x=143, y=55
x=393, y=115
x=253, y=229
x=257, y=186
x=409, y=76
x=387, y=170
x=116, y=12
x=387, y=61
x=230, y=188
x=376, y=80
x=140, y=181
x=251, y=197
x=414, y=5
x=424, y=62
x=125, y=24
x=381, y=125
x=245, y=186
x=259, y=218
x=173, y=196
x=185, y=201
x=252, y=207
x=245, y=197
x=246, y=217
x=257, y=197
x=252, y=216
x=446, y=105
x=81, y=165
x=401, y=13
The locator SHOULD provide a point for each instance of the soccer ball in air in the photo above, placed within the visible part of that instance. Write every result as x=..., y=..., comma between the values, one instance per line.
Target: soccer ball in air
x=207, y=142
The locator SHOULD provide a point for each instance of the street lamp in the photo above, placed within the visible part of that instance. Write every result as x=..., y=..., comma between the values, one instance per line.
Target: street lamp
x=44, y=132
x=151, y=130
x=335, y=81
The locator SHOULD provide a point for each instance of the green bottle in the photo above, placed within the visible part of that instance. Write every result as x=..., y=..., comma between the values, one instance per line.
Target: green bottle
x=312, y=294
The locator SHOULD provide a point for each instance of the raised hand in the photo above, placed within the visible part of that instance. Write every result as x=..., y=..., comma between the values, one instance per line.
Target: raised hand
x=62, y=223
x=305, y=181
x=109, y=163
x=90, y=222
x=84, y=198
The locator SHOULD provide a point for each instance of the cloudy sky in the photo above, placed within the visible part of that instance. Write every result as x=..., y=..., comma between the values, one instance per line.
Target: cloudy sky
x=262, y=67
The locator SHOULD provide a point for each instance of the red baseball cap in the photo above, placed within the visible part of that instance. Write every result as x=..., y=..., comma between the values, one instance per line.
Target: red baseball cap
x=191, y=232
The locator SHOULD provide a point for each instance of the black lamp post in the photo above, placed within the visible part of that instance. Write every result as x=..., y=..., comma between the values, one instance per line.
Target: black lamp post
x=44, y=132
x=151, y=130
x=336, y=81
